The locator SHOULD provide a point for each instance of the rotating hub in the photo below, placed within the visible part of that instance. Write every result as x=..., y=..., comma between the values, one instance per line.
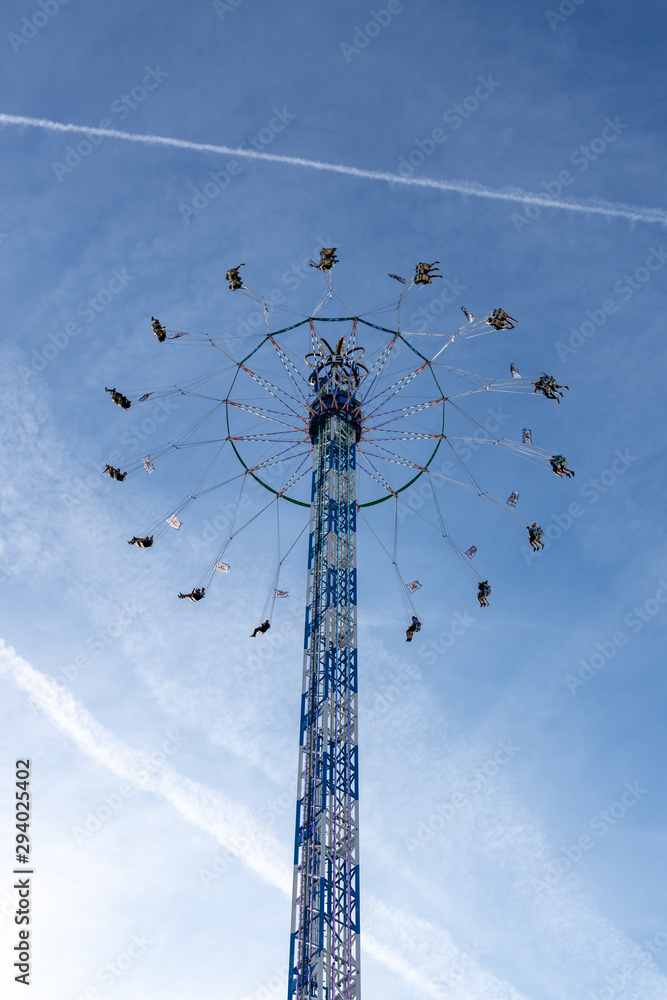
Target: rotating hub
x=331, y=404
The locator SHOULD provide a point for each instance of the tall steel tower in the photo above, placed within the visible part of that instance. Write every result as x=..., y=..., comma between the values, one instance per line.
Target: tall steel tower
x=324, y=949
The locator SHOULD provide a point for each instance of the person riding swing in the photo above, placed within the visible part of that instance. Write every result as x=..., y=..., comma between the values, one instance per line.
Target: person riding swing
x=116, y=474
x=499, y=320
x=414, y=627
x=547, y=385
x=234, y=278
x=158, y=329
x=535, y=536
x=118, y=398
x=143, y=543
x=195, y=595
x=424, y=273
x=559, y=464
x=264, y=627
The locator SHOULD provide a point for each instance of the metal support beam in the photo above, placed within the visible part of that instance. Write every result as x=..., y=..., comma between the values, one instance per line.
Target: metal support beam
x=324, y=948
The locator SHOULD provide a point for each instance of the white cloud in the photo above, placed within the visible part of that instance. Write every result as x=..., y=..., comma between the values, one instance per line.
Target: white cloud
x=235, y=828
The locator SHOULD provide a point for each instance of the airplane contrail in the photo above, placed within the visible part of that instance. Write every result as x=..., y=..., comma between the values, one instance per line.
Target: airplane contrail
x=593, y=206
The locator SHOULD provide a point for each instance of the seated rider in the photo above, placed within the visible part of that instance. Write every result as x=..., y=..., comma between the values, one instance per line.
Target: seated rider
x=234, y=278
x=535, y=536
x=415, y=626
x=483, y=592
x=499, y=320
x=548, y=386
x=543, y=386
x=158, y=329
x=425, y=272
x=195, y=595
x=327, y=258
x=115, y=473
x=559, y=464
x=264, y=627
x=119, y=399
x=143, y=543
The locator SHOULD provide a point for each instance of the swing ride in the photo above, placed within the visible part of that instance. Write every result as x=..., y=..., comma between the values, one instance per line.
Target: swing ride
x=334, y=415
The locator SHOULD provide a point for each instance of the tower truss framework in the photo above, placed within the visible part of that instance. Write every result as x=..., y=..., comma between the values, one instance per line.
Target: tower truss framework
x=325, y=947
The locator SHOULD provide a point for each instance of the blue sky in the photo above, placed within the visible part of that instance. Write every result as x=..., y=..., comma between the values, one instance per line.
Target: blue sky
x=513, y=812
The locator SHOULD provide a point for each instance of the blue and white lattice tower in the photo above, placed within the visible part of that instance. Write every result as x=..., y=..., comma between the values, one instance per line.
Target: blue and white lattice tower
x=324, y=951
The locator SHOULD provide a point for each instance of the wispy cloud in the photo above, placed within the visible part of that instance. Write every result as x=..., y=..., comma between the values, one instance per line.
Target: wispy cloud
x=230, y=823
x=235, y=828
x=591, y=206
x=428, y=958
x=425, y=957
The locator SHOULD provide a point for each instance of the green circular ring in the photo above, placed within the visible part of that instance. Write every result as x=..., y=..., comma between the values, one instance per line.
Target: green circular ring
x=340, y=319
